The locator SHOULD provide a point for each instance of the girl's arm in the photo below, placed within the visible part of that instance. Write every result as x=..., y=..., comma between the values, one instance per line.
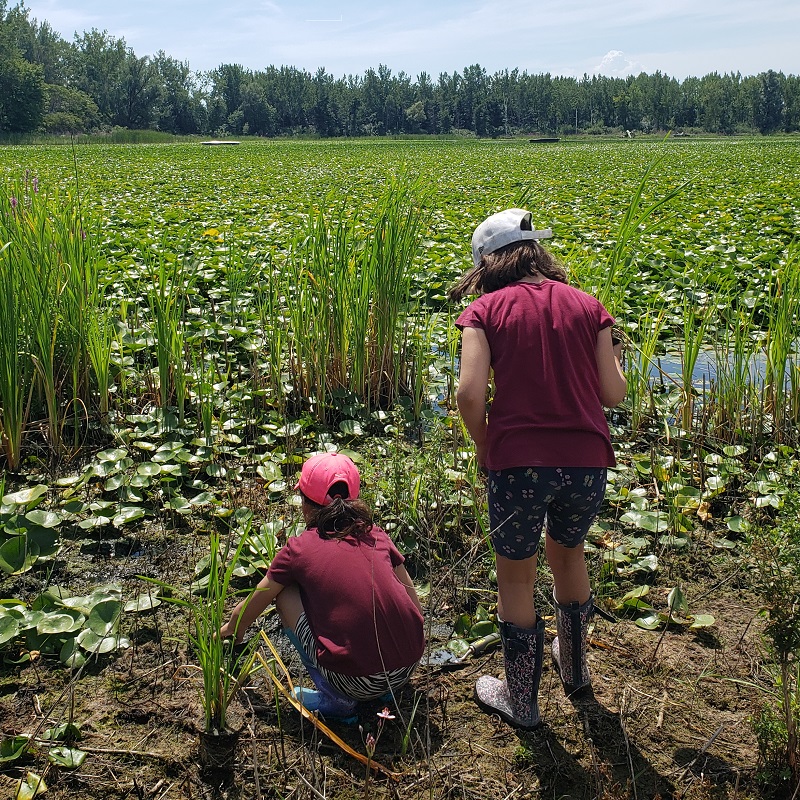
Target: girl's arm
x=405, y=579
x=246, y=612
x=612, y=379
x=472, y=383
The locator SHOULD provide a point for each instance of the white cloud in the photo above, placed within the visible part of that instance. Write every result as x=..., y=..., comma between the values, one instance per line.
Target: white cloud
x=615, y=64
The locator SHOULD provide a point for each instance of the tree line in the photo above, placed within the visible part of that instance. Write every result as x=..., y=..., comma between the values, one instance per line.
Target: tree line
x=96, y=83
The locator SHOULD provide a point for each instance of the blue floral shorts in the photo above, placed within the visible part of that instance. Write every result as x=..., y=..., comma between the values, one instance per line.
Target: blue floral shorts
x=525, y=499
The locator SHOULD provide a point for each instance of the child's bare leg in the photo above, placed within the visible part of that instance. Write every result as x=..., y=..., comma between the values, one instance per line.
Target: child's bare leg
x=289, y=606
x=515, y=581
x=570, y=576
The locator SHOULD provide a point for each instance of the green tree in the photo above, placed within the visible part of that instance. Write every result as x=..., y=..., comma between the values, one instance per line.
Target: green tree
x=69, y=110
x=770, y=107
x=22, y=92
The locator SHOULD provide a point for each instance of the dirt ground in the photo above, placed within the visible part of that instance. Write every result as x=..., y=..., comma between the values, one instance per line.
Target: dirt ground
x=669, y=716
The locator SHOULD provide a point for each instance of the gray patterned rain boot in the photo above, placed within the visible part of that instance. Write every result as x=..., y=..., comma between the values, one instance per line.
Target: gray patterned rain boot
x=516, y=699
x=569, y=646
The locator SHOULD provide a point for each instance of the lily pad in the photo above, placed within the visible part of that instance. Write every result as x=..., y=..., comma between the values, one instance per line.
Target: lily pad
x=67, y=757
x=18, y=555
x=25, y=497
x=127, y=515
x=30, y=786
x=104, y=617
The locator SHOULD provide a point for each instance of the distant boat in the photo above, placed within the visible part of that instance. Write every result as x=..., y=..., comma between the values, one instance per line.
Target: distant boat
x=545, y=139
x=220, y=141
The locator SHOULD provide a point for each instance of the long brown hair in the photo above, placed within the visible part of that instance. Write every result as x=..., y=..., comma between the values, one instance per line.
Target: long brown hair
x=341, y=517
x=508, y=265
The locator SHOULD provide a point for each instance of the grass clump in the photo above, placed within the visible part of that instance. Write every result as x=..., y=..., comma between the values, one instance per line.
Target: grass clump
x=776, y=550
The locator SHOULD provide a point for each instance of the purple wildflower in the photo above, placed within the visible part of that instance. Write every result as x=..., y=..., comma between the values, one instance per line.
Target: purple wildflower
x=13, y=201
x=35, y=185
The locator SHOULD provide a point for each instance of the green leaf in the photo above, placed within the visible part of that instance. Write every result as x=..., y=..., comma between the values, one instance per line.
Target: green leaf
x=351, y=427
x=65, y=732
x=483, y=628
x=647, y=520
x=458, y=647
x=45, y=519
x=701, y=620
x=144, y=602
x=9, y=629
x=149, y=469
x=649, y=622
x=18, y=555
x=67, y=757
x=127, y=515
x=25, y=497
x=93, y=643
x=71, y=654
x=676, y=601
x=31, y=786
x=637, y=592
x=737, y=524
x=13, y=747
x=114, y=454
x=104, y=617
x=60, y=623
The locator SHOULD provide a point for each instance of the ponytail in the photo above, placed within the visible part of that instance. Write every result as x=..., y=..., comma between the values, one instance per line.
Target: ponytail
x=340, y=517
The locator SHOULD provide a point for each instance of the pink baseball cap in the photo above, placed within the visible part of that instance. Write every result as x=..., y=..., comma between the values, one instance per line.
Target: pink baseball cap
x=322, y=471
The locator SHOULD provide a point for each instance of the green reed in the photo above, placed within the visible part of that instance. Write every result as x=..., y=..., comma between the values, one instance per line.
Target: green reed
x=639, y=361
x=696, y=317
x=346, y=292
x=169, y=280
x=609, y=281
x=219, y=664
x=15, y=367
x=781, y=340
x=51, y=278
x=734, y=392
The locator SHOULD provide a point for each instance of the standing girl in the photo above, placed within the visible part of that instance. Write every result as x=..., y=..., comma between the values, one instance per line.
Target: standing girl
x=344, y=597
x=546, y=445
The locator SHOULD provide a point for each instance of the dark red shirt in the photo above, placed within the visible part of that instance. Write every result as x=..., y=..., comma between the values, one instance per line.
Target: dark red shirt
x=546, y=410
x=361, y=614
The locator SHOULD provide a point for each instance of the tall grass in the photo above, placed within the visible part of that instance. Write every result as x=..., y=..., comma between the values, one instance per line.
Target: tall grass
x=609, y=280
x=15, y=367
x=782, y=336
x=347, y=299
x=169, y=279
x=639, y=361
x=50, y=291
x=734, y=394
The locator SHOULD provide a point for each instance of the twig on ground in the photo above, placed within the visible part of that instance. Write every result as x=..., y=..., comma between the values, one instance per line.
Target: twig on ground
x=622, y=711
x=314, y=791
x=702, y=751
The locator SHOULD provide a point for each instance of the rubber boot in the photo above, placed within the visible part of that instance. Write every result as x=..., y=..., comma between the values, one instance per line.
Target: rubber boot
x=516, y=699
x=326, y=700
x=569, y=646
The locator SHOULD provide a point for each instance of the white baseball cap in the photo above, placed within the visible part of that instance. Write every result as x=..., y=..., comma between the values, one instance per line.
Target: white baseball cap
x=505, y=227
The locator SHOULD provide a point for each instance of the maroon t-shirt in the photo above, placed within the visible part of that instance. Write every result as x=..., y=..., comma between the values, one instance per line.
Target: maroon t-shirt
x=546, y=410
x=361, y=615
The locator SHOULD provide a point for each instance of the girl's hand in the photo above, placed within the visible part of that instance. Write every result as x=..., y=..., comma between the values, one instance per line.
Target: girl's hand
x=228, y=631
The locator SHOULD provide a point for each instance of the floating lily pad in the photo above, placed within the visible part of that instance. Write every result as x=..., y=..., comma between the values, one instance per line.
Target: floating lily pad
x=104, y=617
x=25, y=497
x=144, y=602
x=127, y=515
x=18, y=555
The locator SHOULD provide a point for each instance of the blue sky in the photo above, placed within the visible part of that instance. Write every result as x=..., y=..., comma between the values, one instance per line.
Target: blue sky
x=571, y=37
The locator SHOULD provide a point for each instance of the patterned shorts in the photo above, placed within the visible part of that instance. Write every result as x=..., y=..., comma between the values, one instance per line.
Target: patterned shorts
x=368, y=687
x=524, y=499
